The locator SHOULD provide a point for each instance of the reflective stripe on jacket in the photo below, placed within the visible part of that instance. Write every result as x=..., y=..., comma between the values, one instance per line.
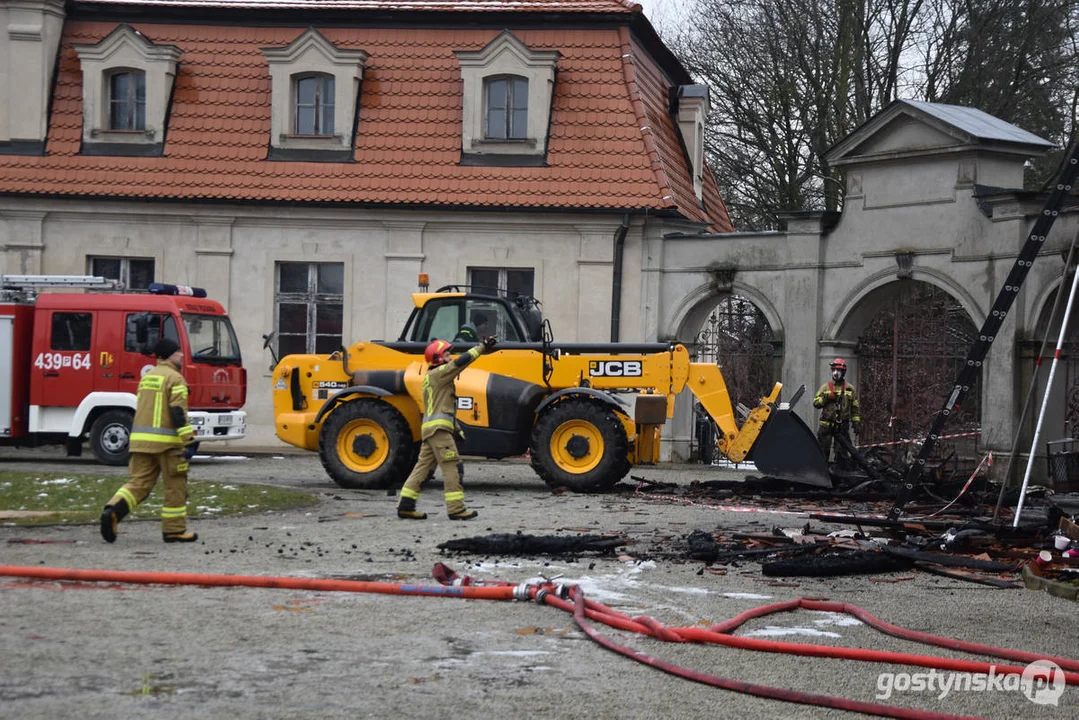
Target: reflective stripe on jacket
x=153, y=429
x=440, y=396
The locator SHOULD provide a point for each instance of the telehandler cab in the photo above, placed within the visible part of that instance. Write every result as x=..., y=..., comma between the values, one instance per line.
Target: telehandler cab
x=561, y=402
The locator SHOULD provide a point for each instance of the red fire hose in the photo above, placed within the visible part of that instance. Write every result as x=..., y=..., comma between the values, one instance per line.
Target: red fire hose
x=583, y=610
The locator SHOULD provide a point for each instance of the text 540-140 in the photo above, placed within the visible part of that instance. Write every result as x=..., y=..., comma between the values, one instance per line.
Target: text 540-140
x=56, y=361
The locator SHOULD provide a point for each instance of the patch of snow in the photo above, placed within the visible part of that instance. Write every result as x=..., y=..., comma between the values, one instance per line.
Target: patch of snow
x=746, y=596
x=835, y=619
x=777, y=631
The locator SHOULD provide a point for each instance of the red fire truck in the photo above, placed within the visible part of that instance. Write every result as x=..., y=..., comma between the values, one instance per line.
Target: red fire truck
x=70, y=362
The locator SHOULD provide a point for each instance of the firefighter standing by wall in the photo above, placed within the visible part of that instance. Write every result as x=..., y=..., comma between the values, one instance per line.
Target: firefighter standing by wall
x=839, y=412
x=438, y=430
x=159, y=433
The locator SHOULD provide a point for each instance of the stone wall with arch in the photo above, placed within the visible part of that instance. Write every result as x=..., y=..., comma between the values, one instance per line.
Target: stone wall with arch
x=822, y=278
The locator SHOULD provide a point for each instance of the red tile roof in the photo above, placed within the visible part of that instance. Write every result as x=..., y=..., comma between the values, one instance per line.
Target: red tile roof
x=612, y=143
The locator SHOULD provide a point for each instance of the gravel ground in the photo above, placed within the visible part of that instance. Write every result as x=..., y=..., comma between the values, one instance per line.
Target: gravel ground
x=92, y=650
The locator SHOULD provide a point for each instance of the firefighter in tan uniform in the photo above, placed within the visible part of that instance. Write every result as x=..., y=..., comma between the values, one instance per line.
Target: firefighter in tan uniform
x=437, y=431
x=839, y=412
x=159, y=434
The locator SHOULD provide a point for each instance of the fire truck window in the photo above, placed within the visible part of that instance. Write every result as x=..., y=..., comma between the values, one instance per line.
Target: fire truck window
x=71, y=331
x=153, y=331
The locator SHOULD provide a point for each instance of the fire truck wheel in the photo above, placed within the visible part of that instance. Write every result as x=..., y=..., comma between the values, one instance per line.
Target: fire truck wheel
x=581, y=445
x=366, y=444
x=109, y=436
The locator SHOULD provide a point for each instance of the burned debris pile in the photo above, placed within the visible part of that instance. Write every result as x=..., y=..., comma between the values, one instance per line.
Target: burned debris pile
x=529, y=545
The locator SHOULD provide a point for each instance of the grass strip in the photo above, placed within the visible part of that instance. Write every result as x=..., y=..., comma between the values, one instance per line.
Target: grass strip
x=69, y=498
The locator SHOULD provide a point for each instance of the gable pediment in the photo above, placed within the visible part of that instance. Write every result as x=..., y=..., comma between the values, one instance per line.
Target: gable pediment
x=908, y=129
x=905, y=133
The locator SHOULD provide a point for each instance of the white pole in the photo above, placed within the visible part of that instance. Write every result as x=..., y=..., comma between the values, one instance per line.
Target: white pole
x=1045, y=398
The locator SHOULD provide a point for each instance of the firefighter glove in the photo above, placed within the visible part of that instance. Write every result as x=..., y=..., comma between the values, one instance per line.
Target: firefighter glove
x=489, y=342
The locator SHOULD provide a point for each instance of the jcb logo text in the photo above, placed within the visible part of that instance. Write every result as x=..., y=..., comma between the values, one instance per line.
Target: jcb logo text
x=615, y=368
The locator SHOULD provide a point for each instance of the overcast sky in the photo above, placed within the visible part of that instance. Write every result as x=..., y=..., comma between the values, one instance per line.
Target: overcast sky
x=663, y=12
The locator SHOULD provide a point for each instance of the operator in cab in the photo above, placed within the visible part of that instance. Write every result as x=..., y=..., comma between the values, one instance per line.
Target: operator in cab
x=474, y=331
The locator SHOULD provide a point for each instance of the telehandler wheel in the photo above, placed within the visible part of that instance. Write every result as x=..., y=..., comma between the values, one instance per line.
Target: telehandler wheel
x=581, y=445
x=366, y=444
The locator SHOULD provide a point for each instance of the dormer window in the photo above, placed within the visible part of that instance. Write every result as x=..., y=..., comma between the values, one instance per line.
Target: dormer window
x=126, y=83
x=507, y=92
x=507, y=108
x=314, y=103
x=315, y=87
x=127, y=100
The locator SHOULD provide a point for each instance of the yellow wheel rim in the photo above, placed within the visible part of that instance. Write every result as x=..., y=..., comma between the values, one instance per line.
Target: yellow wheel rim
x=577, y=446
x=363, y=445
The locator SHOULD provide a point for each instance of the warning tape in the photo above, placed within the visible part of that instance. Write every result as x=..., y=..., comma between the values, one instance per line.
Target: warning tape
x=987, y=460
x=728, y=508
x=919, y=441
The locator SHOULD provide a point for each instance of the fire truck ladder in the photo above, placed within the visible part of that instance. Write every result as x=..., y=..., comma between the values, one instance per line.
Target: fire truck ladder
x=22, y=287
x=969, y=372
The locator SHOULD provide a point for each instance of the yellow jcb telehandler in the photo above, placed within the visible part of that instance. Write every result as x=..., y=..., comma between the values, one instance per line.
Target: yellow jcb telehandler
x=563, y=403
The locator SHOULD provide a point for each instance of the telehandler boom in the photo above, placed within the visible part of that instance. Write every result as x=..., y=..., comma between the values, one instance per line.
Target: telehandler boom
x=562, y=403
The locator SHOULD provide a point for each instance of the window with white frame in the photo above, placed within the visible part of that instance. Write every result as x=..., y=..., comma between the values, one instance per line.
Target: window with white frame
x=512, y=281
x=507, y=88
x=314, y=88
x=127, y=100
x=507, y=108
x=127, y=83
x=135, y=273
x=309, y=305
x=313, y=105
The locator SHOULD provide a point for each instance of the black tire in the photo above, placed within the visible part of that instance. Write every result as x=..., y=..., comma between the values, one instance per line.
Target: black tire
x=366, y=444
x=580, y=444
x=110, y=436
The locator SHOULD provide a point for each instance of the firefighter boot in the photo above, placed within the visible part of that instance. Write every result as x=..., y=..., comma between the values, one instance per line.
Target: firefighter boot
x=111, y=517
x=464, y=515
x=406, y=510
x=180, y=537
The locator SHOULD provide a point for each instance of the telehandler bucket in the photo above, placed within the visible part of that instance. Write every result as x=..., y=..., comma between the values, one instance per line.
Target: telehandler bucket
x=787, y=449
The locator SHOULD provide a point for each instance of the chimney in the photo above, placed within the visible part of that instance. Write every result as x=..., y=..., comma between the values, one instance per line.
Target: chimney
x=29, y=42
x=691, y=114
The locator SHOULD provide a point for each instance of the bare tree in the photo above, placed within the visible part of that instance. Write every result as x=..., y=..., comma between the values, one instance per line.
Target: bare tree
x=790, y=78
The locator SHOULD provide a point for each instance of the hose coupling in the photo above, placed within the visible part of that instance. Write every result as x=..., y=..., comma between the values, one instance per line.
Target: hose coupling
x=523, y=591
x=541, y=595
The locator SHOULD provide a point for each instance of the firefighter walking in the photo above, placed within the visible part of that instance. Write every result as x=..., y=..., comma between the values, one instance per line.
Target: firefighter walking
x=159, y=434
x=839, y=412
x=438, y=430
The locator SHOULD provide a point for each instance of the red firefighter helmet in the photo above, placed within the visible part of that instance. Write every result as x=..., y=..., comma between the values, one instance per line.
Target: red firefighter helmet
x=839, y=363
x=434, y=351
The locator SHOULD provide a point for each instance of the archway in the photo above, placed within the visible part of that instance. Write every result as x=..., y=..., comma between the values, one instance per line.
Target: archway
x=737, y=336
x=914, y=342
x=1062, y=410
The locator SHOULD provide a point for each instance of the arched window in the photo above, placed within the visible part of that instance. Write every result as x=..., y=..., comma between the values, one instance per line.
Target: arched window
x=127, y=100
x=313, y=104
x=506, y=99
